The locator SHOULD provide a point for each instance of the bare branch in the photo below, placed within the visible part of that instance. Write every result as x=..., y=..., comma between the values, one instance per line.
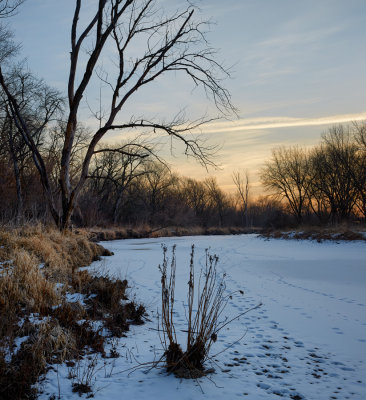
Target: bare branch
x=9, y=7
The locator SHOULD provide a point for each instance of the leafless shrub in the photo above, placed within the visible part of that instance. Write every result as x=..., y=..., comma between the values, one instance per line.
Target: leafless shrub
x=202, y=315
x=83, y=375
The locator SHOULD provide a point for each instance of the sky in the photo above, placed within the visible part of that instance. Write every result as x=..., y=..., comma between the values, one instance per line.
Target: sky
x=297, y=67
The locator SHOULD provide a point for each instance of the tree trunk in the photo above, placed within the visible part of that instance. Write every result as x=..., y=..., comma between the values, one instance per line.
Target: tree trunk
x=19, y=207
x=64, y=221
x=117, y=205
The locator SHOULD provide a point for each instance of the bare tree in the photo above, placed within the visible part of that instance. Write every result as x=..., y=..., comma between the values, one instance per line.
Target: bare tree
x=196, y=196
x=33, y=106
x=38, y=105
x=7, y=138
x=7, y=46
x=7, y=50
x=241, y=182
x=156, y=183
x=287, y=175
x=318, y=201
x=359, y=170
x=52, y=151
x=174, y=43
x=333, y=169
x=116, y=167
x=359, y=132
x=216, y=198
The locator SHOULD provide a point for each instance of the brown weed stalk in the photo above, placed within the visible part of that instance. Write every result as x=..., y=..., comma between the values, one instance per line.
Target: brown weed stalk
x=202, y=315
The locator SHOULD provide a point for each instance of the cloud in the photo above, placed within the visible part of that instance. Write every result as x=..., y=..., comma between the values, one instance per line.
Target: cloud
x=300, y=38
x=250, y=124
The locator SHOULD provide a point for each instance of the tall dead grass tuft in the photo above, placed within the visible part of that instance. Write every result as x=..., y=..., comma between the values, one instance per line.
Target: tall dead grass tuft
x=110, y=303
x=61, y=253
x=202, y=315
x=24, y=287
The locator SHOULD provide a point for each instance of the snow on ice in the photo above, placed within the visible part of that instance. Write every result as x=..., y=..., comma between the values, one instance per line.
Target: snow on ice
x=307, y=340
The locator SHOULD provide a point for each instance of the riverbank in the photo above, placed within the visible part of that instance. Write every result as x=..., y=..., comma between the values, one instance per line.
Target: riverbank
x=319, y=234
x=51, y=311
x=99, y=234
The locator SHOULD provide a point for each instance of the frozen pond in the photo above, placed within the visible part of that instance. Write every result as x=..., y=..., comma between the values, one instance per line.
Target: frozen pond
x=307, y=340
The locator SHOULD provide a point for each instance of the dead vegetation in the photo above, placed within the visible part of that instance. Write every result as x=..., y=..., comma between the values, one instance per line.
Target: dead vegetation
x=319, y=234
x=146, y=231
x=39, y=324
x=202, y=314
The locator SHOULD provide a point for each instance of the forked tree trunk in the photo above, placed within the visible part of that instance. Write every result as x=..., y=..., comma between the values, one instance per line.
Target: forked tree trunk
x=121, y=22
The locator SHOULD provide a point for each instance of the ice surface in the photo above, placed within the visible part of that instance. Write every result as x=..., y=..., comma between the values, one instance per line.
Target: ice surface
x=307, y=340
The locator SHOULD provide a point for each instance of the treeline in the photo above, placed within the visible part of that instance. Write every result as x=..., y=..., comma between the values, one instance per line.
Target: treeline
x=152, y=194
x=326, y=184
x=129, y=185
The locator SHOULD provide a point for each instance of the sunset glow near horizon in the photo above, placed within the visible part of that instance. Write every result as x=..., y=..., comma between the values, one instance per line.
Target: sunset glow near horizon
x=298, y=68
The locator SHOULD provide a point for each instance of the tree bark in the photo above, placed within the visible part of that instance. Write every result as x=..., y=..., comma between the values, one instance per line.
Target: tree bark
x=19, y=207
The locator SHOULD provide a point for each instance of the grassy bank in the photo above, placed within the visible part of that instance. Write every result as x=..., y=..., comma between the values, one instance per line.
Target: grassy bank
x=50, y=310
x=319, y=234
x=146, y=231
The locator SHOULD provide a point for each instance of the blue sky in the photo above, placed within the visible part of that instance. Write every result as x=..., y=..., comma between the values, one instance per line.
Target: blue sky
x=297, y=67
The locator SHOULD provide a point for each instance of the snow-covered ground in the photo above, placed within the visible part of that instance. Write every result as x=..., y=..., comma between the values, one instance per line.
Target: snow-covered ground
x=307, y=340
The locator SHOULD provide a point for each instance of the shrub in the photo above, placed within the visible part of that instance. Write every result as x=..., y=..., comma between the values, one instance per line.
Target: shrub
x=203, y=323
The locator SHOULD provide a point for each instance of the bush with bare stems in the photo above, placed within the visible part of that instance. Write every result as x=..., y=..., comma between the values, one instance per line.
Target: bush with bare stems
x=203, y=314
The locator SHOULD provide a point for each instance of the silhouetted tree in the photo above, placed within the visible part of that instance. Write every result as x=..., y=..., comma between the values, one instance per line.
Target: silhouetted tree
x=333, y=164
x=359, y=170
x=216, y=199
x=241, y=182
x=287, y=175
x=173, y=43
x=196, y=197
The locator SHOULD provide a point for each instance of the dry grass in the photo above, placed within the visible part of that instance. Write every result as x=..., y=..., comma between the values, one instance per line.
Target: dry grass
x=336, y=233
x=110, y=303
x=23, y=286
x=47, y=343
x=60, y=253
x=38, y=265
x=146, y=231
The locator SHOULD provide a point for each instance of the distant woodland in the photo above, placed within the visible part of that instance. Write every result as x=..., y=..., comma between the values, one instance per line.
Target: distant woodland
x=322, y=185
